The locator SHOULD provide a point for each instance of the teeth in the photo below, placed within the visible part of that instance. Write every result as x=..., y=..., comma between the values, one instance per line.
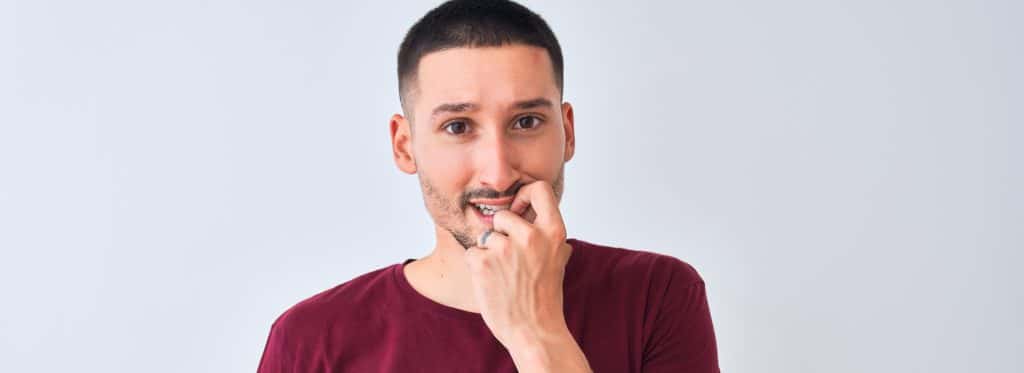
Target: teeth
x=489, y=210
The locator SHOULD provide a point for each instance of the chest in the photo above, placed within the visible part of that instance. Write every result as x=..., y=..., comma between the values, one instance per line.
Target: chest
x=425, y=343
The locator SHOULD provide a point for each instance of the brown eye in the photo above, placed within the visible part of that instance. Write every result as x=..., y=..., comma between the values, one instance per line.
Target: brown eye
x=458, y=127
x=528, y=122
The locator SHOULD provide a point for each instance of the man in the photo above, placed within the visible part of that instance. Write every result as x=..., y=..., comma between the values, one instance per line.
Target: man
x=487, y=133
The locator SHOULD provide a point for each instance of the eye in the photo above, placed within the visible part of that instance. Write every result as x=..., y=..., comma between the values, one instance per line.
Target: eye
x=459, y=127
x=528, y=122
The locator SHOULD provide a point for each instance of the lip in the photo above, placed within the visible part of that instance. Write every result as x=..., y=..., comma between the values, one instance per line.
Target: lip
x=488, y=220
x=494, y=202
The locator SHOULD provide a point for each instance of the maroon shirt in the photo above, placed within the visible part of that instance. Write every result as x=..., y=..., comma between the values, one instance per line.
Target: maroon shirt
x=629, y=310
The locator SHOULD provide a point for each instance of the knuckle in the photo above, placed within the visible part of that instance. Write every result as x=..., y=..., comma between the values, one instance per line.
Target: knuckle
x=544, y=185
x=500, y=249
x=531, y=238
x=476, y=270
x=494, y=242
x=502, y=243
x=560, y=234
x=486, y=262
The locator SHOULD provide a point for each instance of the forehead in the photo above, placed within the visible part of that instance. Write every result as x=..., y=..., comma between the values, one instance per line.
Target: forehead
x=486, y=75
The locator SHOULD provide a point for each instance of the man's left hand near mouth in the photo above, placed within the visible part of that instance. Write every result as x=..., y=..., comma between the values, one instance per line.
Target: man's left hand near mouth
x=518, y=274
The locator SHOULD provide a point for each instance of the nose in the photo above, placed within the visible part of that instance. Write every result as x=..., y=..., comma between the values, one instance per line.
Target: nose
x=498, y=162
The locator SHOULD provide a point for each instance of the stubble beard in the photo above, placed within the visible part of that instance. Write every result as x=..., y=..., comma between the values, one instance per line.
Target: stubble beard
x=451, y=214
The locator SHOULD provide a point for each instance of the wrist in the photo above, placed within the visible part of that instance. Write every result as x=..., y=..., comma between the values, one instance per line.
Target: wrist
x=529, y=339
x=537, y=345
x=555, y=351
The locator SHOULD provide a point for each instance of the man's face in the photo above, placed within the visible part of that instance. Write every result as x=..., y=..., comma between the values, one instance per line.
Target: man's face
x=485, y=122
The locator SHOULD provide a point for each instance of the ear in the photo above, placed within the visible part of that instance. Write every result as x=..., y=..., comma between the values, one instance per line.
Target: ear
x=401, y=144
x=570, y=131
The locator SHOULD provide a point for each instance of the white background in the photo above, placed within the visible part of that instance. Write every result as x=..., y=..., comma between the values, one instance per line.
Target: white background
x=845, y=175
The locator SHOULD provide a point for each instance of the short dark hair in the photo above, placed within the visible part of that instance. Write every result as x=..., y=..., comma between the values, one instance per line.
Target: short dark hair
x=474, y=23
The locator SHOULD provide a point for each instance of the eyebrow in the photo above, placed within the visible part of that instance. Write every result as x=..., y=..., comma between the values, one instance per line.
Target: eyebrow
x=460, y=107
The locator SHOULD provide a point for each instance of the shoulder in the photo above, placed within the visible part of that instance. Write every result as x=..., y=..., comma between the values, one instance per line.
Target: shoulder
x=653, y=267
x=352, y=299
x=664, y=294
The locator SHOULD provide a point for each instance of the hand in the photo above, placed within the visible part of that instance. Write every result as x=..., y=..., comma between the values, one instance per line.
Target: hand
x=517, y=273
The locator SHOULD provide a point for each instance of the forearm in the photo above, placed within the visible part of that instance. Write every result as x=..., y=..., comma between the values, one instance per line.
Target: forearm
x=550, y=353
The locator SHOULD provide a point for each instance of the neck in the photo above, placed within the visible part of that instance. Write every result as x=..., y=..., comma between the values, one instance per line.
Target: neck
x=442, y=275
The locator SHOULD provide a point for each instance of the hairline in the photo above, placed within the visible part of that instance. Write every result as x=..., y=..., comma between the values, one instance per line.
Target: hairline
x=410, y=84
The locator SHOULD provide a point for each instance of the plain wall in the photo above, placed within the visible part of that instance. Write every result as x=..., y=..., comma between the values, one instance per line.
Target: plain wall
x=845, y=175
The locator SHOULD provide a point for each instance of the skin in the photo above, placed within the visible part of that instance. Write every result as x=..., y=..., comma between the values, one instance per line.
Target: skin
x=494, y=148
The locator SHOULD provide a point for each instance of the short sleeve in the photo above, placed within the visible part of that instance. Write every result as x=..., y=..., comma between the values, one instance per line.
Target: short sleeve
x=276, y=358
x=681, y=337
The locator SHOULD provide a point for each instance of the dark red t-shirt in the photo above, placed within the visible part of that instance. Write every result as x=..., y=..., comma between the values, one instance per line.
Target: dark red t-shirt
x=629, y=310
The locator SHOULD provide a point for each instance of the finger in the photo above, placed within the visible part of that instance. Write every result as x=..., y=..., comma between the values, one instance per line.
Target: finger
x=530, y=215
x=474, y=258
x=488, y=251
x=495, y=241
x=510, y=224
x=541, y=197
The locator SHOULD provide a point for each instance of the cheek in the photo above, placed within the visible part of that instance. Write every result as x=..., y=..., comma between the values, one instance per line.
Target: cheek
x=450, y=168
x=556, y=143
x=545, y=156
x=447, y=169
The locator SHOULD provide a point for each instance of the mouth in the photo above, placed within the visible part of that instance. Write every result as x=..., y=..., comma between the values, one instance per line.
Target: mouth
x=485, y=212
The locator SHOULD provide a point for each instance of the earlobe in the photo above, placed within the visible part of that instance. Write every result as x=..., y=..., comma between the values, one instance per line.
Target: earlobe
x=401, y=144
x=570, y=131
